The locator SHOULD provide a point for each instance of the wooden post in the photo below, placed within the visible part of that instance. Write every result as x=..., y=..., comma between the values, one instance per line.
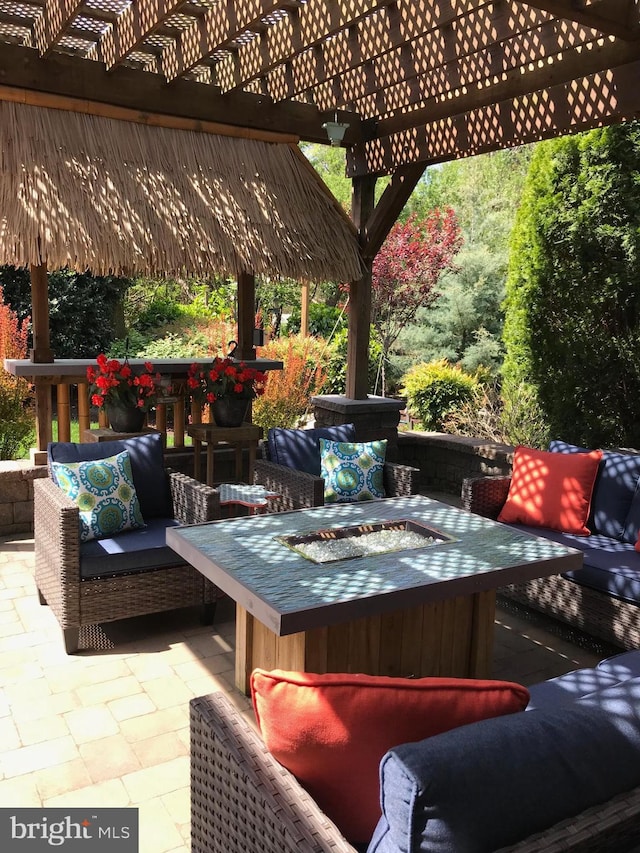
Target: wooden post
x=41, y=353
x=246, y=315
x=64, y=412
x=84, y=413
x=304, y=309
x=360, y=297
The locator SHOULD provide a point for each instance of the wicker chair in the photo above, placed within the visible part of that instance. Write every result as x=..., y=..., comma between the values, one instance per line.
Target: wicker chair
x=84, y=603
x=300, y=490
x=243, y=801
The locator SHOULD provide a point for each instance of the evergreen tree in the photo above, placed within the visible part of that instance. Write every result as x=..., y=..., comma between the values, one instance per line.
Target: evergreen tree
x=573, y=294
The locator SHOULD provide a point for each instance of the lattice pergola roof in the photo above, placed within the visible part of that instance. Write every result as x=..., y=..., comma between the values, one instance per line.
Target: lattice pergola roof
x=418, y=80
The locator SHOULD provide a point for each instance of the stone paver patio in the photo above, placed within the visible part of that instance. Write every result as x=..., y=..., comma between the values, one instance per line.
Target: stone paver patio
x=111, y=727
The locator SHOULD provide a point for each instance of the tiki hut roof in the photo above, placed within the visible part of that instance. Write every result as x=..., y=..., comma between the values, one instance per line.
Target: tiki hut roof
x=121, y=197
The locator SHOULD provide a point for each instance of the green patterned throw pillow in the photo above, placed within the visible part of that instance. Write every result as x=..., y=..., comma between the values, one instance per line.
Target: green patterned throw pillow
x=104, y=492
x=352, y=471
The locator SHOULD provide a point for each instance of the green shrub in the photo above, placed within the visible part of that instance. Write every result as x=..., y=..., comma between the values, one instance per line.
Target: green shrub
x=336, y=380
x=510, y=416
x=434, y=391
x=324, y=320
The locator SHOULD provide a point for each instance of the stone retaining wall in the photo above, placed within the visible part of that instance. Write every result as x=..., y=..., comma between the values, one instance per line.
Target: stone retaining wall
x=16, y=495
x=444, y=462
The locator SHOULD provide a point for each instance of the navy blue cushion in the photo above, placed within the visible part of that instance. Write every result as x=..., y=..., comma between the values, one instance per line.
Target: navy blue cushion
x=613, y=492
x=623, y=666
x=610, y=566
x=493, y=783
x=147, y=466
x=135, y=551
x=300, y=448
x=566, y=688
x=632, y=523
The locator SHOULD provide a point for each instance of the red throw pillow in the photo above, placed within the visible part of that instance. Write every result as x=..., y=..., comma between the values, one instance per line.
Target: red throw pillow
x=332, y=730
x=551, y=489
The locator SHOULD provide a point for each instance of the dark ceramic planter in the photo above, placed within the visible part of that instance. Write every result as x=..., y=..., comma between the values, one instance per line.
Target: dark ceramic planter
x=229, y=411
x=124, y=418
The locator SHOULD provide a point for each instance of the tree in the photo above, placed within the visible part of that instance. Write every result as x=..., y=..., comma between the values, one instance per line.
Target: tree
x=465, y=324
x=572, y=328
x=82, y=308
x=406, y=271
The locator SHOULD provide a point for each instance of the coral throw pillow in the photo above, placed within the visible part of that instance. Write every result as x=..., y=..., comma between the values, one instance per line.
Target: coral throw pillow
x=332, y=730
x=551, y=489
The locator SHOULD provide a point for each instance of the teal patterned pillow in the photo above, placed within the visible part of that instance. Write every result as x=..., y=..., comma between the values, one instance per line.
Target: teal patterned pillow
x=104, y=492
x=352, y=471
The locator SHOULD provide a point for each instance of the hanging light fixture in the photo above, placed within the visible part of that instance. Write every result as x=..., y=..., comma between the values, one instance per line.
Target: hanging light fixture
x=335, y=130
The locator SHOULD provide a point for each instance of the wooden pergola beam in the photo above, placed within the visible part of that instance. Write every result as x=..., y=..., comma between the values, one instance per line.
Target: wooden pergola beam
x=603, y=98
x=585, y=60
x=74, y=77
x=136, y=23
x=367, y=90
x=311, y=26
x=389, y=207
x=215, y=30
x=610, y=17
x=56, y=17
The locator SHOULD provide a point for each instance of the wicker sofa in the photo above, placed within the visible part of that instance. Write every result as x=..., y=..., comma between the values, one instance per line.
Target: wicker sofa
x=132, y=574
x=243, y=801
x=297, y=482
x=602, y=598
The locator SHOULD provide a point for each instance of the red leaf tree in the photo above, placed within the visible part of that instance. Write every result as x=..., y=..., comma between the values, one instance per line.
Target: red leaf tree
x=406, y=271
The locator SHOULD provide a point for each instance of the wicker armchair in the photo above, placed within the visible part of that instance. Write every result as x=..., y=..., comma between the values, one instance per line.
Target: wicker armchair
x=85, y=603
x=243, y=801
x=300, y=490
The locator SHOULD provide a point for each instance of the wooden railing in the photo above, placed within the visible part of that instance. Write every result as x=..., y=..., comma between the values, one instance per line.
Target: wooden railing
x=65, y=373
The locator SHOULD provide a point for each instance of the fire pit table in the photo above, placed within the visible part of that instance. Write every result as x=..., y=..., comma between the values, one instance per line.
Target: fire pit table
x=426, y=609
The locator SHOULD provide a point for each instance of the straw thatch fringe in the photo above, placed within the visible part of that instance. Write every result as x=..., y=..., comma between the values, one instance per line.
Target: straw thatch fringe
x=117, y=197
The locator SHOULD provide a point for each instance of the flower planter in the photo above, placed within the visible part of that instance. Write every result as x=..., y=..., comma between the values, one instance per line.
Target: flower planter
x=229, y=411
x=124, y=418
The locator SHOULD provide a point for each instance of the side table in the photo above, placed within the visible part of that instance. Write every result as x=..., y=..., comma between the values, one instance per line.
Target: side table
x=240, y=437
x=107, y=434
x=255, y=498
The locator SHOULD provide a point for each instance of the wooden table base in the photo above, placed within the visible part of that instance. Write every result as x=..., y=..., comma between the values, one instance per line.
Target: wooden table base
x=446, y=638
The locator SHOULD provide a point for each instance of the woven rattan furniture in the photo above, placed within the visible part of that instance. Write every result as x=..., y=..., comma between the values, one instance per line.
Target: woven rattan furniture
x=243, y=801
x=299, y=490
x=594, y=612
x=85, y=603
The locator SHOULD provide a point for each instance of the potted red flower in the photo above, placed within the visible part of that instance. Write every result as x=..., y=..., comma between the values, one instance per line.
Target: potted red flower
x=227, y=386
x=126, y=395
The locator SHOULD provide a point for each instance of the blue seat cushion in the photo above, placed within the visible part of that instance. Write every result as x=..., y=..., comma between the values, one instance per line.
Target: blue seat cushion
x=610, y=566
x=613, y=491
x=632, y=523
x=147, y=466
x=300, y=448
x=134, y=551
x=570, y=686
x=493, y=783
x=623, y=666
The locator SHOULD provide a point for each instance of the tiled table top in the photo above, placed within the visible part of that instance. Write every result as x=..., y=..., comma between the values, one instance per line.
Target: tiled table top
x=289, y=593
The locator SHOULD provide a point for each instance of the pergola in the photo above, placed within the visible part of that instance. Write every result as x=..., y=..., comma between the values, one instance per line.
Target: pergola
x=417, y=82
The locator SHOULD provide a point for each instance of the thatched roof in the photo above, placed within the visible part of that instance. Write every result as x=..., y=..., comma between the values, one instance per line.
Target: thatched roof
x=120, y=197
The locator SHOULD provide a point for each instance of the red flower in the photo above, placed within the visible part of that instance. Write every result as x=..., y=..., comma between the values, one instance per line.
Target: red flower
x=115, y=381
